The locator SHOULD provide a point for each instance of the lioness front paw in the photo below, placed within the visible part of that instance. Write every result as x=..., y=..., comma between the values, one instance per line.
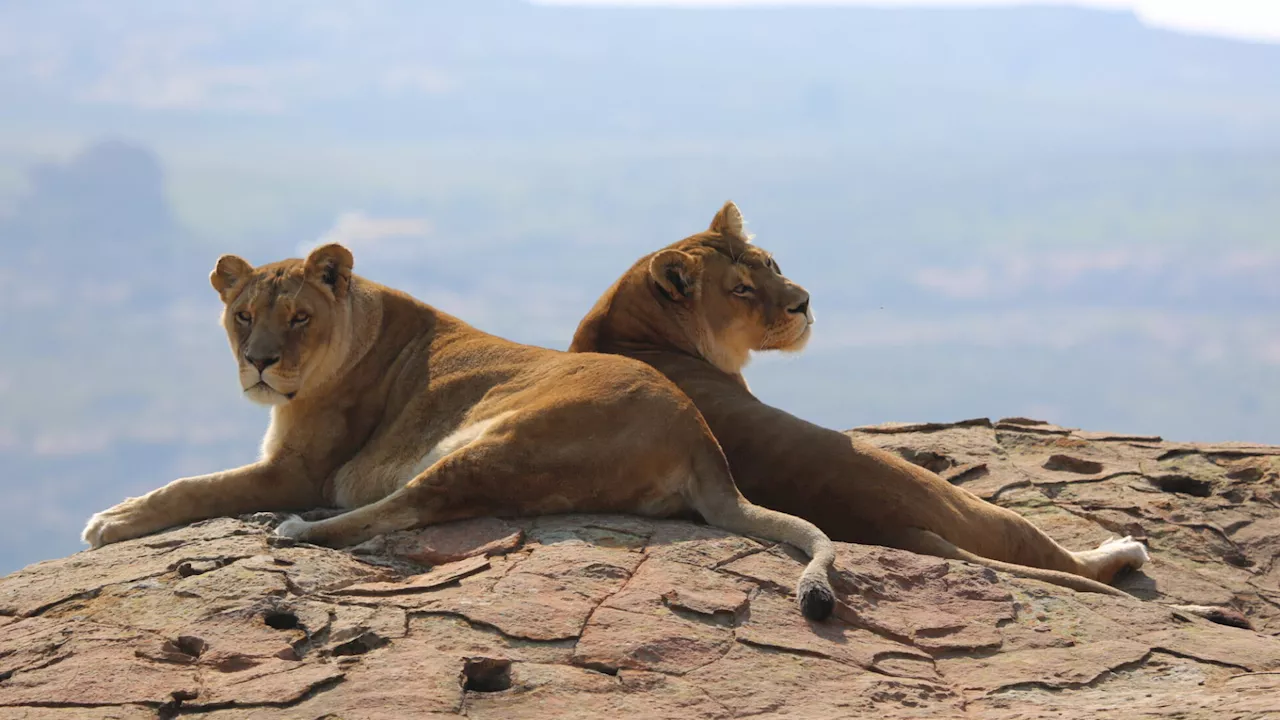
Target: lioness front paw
x=125, y=521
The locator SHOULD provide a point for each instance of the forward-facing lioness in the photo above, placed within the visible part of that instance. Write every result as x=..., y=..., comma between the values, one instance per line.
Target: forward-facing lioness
x=407, y=416
x=697, y=309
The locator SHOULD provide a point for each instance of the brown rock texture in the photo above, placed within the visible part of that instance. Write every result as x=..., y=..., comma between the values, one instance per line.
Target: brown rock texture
x=621, y=617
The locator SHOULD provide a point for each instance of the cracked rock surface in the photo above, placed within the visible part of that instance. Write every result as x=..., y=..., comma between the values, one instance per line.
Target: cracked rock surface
x=620, y=617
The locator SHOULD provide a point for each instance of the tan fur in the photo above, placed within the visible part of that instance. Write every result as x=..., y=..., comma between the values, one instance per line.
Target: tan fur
x=677, y=311
x=407, y=416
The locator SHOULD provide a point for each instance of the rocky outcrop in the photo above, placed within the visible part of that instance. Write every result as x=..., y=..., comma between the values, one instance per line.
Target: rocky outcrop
x=621, y=617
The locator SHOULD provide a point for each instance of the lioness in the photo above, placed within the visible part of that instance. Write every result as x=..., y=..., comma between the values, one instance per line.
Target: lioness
x=407, y=416
x=697, y=309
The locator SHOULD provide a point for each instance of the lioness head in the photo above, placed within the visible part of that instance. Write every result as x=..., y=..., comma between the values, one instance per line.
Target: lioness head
x=713, y=293
x=288, y=321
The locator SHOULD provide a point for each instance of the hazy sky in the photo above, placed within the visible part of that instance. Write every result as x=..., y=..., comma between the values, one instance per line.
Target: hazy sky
x=1256, y=19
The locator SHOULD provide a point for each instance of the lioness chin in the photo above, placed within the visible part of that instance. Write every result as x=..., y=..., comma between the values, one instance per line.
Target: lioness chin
x=698, y=308
x=407, y=416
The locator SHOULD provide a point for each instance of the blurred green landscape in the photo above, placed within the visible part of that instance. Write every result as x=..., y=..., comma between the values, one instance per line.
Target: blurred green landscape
x=1051, y=212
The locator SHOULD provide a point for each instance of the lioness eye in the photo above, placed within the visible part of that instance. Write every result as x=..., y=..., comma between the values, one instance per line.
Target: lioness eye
x=299, y=318
x=243, y=317
x=743, y=290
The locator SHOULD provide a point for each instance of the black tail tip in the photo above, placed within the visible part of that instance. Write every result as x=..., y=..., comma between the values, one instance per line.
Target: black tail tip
x=816, y=599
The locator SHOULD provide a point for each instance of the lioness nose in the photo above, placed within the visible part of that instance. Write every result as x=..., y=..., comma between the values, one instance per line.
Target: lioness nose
x=802, y=307
x=262, y=363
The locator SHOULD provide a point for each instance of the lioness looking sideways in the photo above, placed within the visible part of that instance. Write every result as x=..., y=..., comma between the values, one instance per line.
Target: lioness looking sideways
x=407, y=416
x=698, y=308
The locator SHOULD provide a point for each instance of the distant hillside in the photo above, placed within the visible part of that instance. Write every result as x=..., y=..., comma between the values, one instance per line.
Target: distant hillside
x=515, y=74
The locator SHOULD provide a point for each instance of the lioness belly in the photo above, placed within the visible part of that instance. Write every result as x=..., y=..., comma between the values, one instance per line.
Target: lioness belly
x=533, y=474
x=604, y=493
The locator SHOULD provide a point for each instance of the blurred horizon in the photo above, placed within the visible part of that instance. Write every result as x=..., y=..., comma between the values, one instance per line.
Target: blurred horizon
x=1054, y=212
x=1257, y=20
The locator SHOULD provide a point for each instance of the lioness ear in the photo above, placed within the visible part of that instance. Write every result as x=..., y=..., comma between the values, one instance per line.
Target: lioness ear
x=230, y=270
x=729, y=222
x=675, y=272
x=330, y=265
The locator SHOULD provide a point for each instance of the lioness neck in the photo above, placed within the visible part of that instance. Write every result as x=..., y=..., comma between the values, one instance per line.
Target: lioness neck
x=638, y=327
x=357, y=332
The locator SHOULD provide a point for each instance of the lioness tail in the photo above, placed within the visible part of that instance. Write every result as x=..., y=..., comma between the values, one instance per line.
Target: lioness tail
x=717, y=499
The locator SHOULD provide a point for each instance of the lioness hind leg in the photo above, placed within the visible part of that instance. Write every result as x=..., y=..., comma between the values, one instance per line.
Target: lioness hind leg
x=349, y=528
x=997, y=533
x=929, y=543
x=451, y=489
x=1002, y=534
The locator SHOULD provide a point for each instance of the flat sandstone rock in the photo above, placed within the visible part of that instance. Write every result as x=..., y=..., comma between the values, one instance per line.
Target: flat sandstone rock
x=619, y=617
